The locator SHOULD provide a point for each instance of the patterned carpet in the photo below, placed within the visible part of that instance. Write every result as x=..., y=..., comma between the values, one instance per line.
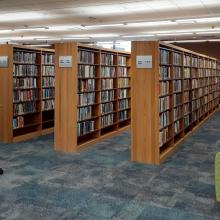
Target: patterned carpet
x=102, y=184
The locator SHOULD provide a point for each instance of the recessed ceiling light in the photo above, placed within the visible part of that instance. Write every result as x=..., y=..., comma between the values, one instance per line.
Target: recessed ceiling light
x=21, y=16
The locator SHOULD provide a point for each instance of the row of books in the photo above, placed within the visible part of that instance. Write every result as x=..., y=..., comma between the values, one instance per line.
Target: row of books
x=194, y=72
x=186, y=121
x=186, y=109
x=123, y=82
x=164, y=103
x=86, y=99
x=123, y=93
x=194, y=62
x=24, y=108
x=164, y=56
x=18, y=122
x=186, y=60
x=84, y=113
x=107, y=84
x=86, y=85
x=194, y=83
x=107, y=59
x=85, y=127
x=164, y=73
x=86, y=71
x=177, y=87
x=25, y=70
x=164, y=119
x=163, y=136
x=177, y=113
x=176, y=99
x=107, y=120
x=123, y=104
x=186, y=96
x=164, y=87
x=177, y=59
x=107, y=96
x=48, y=82
x=122, y=72
x=194, y=94
x=26, y=95
x=24, y=57
x=24, y=83
x=48, y=71
x=107, y=108
x=176, y=127
x=123, y=115
x=107, y=71
x=186, y=84
x=177, y=73
x=48, y=59
x=48, y=93
x=122, y=60
x=48, y=105
x=87, y=57
x=186, y=72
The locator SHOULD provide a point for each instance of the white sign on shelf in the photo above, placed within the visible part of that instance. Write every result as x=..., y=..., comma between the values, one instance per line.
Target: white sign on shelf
x=65, y=61
x=144, y=62
x=3, y=61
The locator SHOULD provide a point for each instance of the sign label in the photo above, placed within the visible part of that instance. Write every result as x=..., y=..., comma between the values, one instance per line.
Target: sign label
x=3, y=61
x=65, y=61
x=144, y=62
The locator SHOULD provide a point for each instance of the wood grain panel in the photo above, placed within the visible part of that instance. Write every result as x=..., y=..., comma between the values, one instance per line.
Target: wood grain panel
x=66, y=100
x=145, y=89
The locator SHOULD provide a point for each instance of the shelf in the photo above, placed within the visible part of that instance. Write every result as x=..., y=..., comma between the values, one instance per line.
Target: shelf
x=27, y=126
x=88, y=119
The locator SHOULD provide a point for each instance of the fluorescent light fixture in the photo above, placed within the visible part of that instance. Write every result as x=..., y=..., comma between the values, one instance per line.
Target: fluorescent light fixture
x=63, y=27
x=39, y=45
x=198, y=20
x=75, y=38
x=214, y=40
x=152, y=23
x=102, y=25
x=209, y=32
x=21, y=16
x=46, y=39
x=174, y=34
x=5, y=31
x=103, y=35
x=141, y=35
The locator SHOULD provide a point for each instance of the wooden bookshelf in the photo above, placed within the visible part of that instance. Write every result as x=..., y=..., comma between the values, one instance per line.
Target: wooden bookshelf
x=89, y=95
x=23, y=93
x=181, y=88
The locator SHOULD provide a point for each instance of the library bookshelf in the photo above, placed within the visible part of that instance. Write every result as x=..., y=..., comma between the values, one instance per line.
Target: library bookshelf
x=27, y=92
x=93, y=99
x=171, y=99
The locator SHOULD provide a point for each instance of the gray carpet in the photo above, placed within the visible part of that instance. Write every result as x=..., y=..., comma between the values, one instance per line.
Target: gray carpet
x=102, y=184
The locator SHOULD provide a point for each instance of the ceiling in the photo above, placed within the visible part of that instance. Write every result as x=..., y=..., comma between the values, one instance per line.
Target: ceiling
x=104, y=20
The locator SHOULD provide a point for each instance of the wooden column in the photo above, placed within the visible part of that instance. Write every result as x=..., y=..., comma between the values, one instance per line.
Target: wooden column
x=145, y=112
x=6, y=95
x=66, y=99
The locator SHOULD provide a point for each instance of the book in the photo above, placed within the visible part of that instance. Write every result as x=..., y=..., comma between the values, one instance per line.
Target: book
x=163, y=136
x=107, y=84
x=123, y=104
x=48, y=71
x=186, y=60
x=24, y=83
x=25, y=70
x=123, y=82
x=177, y=59
x=176, y=127
x=48, y=93
x=186, y=72
x=164, y=88
x=122, y=72
x=48, y=82
x=25, y=95
x=123, y=93
x=107, y=108
x=18, y=122
x=176, y=99
x=186, y=96
x=177, y=73
x=164, y=119
x=186, y=84
x=177, y=113
x=86, y=71
x=24, y=108
x=84, y=113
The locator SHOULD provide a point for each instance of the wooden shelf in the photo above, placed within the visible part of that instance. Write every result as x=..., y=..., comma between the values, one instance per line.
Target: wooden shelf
x=147, y=136
x=67, y=112
x=33, y=121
